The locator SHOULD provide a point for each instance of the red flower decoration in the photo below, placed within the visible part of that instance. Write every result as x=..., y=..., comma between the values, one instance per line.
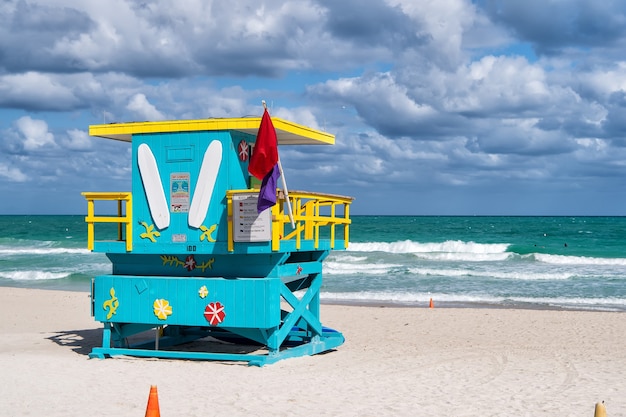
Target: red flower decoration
x=190, y=263
x=214, y=313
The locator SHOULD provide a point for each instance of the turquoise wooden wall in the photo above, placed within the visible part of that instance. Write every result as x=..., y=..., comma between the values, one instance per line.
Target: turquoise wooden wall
x=246, y=302
x=183, y=152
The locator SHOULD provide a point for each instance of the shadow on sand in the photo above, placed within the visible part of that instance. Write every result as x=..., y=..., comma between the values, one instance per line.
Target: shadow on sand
x=80, y=341
x=83, y=341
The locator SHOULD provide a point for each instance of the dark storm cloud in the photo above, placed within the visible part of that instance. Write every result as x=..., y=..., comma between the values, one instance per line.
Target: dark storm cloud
x=615, y=124
x=553, y=25
x=372, y=23
x=34, y=17
x=150, y=39
x=28, y=32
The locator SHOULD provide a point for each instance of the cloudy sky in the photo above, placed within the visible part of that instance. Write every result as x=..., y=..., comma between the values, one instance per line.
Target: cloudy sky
x=462, y=107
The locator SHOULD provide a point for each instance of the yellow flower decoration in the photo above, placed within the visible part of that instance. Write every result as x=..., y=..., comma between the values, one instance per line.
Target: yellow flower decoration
x=162, y=309
x=203, y=291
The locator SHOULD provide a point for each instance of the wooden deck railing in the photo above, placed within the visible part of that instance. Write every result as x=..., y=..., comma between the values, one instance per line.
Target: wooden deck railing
x=312, y=213
x=124, y=221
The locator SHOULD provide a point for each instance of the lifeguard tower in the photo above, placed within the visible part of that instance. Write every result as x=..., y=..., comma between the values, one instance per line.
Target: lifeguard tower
x=194, y=259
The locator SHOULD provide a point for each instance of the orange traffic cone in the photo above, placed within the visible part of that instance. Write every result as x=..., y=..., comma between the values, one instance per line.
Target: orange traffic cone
x=152, y=410
x=431, y=305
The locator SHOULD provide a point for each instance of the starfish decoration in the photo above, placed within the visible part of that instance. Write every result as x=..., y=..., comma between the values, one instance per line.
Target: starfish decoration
x=207, y=232
x=150, y=233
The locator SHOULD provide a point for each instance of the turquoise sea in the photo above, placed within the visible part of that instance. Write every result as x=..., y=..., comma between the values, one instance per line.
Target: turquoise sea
x=522, y=262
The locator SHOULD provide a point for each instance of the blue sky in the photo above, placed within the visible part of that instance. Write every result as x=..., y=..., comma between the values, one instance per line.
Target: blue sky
x=444, y=107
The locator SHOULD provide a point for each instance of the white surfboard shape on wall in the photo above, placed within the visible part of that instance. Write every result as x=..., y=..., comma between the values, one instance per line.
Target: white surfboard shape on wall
x=205, y=184
x=149, y=172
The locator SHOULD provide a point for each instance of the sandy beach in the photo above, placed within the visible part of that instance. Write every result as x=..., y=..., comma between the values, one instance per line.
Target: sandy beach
x=396, y=361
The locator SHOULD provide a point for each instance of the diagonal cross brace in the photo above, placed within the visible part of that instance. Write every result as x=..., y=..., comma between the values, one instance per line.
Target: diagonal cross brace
x=299, y=310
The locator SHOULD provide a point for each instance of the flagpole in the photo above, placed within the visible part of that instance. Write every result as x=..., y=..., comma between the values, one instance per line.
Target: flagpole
x=282, y=176
x=285, y=190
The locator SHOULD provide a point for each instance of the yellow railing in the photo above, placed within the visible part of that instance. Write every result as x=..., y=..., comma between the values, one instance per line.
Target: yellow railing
x=121, y=219
x=311, y=211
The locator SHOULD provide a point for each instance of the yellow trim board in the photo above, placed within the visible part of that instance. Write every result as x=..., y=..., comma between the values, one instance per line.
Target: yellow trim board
x=288, y=133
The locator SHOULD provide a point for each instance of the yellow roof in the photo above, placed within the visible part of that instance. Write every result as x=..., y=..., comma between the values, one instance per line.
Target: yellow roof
x=288, y=133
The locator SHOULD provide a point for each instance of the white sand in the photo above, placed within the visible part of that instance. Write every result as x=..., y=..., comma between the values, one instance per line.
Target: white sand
x=396, y=361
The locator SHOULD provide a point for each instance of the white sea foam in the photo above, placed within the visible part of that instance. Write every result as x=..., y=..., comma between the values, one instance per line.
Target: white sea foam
x=404, y=297
x=343, y=268
x=346, y=258
x=33, y=275
x=450, y=250
x=608, y=304
x=524, y=275
x=449, y=246
x=465, y=256
x=573, y=302
x=441, y=272
x=577, y=260
x=41, y=251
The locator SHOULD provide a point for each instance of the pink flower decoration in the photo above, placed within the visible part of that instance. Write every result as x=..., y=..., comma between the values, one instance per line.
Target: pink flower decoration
x=190, y=263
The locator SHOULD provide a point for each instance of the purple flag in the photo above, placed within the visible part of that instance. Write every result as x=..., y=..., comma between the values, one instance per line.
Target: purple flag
x=267, y=194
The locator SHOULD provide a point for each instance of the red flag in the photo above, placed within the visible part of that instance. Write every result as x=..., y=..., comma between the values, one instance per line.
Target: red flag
x=265, y=154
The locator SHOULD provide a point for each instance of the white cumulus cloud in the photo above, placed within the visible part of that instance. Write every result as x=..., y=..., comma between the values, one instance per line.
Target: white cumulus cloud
x=35, y=133
x=144, y=110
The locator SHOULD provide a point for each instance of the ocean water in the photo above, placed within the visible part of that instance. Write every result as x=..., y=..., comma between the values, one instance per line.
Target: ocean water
x=521, y=262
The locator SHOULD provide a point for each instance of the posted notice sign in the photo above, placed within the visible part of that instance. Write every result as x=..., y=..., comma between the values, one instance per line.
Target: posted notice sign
x=248, y=225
